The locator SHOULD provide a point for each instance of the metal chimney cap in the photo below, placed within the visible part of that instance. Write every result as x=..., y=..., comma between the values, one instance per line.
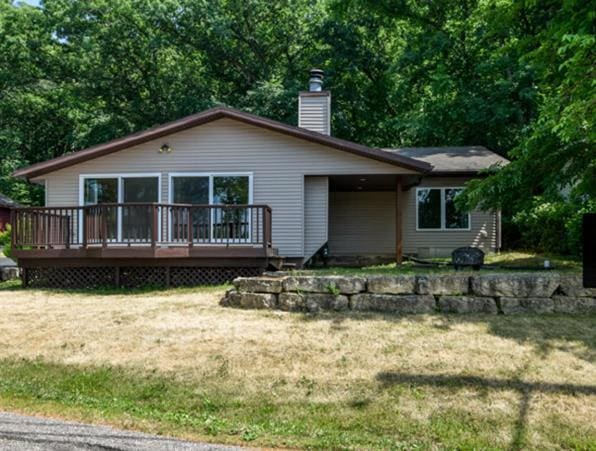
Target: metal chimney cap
x=315, y=83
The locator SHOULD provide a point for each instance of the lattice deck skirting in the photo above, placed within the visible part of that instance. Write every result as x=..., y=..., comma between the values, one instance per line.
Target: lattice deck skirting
x=132, y=277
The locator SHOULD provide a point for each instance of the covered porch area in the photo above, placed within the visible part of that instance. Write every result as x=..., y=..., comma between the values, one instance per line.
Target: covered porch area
x=364, y=218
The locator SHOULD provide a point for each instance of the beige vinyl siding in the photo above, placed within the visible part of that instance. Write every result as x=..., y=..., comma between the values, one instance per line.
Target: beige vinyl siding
x=362, y=223
x=278, y=163
x=316, y=198
x=314, y=113
x=483, y=225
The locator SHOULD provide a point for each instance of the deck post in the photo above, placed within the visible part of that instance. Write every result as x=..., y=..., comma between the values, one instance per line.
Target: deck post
x=267, y=238
x=263, y=213
x=24, y=277
x=154, y=228
x=168, y=277
x=398, y=221
x=104, y=227
x=13, y=229
x=67, y=231
x=38, y=230
x=84, y=226
x=190, y=237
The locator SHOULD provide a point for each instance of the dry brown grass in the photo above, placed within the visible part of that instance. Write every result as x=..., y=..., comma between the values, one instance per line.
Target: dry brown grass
x=506, y=368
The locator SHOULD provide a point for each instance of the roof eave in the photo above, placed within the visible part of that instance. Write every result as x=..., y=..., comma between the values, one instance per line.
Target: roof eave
x=440, y=173
x=115, y=145
x=207, y=116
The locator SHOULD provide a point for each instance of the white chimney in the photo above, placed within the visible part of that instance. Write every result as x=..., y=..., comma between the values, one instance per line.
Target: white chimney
x=314, y=105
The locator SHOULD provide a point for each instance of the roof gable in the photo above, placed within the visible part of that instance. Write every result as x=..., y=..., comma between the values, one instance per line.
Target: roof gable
x=210, y=116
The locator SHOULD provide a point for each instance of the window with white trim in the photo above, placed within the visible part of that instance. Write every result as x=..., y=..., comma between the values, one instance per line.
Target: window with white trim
x=128, y=223
x=216, y=189
x=213, y=189
x=436, y=210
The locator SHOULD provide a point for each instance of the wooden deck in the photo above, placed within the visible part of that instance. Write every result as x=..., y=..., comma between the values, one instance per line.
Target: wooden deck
x=53, y=244
x=141, y=224
x=144, y=252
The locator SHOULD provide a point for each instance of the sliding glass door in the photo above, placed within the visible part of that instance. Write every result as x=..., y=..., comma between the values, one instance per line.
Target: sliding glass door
x=102, y=191
x=137, y=220
x=127, y=223
x=214, y=224
x=191, y=190
x=231, y=223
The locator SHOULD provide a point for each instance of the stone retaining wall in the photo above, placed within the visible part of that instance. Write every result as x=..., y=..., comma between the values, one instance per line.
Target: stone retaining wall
x=446, y=293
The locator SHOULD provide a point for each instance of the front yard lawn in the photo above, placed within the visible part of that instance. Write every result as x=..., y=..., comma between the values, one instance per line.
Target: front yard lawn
x=174, y=362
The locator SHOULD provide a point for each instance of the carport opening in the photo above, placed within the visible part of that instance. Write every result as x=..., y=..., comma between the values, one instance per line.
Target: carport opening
x=362, y=219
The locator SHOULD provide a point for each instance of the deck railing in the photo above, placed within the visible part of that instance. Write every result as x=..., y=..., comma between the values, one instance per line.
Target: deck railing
x=150, y=224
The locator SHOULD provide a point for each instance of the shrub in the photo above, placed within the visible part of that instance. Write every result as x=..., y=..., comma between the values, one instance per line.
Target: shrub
x=5, y=242
x=554, y=226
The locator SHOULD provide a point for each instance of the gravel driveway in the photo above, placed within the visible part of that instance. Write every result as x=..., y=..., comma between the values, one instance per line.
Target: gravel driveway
x=19, y=432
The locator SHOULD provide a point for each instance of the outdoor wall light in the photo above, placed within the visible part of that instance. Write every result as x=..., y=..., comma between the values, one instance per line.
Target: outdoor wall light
x=165, y=148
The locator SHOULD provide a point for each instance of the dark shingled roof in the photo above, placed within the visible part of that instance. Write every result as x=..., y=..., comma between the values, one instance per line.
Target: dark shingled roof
x=453, y=160
x=7, y=202
x=209, y=116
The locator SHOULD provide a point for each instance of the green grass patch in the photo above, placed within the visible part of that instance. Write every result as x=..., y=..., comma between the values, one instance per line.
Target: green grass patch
x=10, y=285
x=183, y=366
x=210, y=410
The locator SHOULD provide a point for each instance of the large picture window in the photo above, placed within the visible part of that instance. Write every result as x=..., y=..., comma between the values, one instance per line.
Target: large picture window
x=436, y=210
x=121, y=188
x=206, y=189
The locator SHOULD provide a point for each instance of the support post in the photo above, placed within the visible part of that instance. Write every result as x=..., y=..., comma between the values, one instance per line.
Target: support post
x=13, y=229
x=24, y=277
x=168, y=277
x=190, y=229
x=398, y=221
x=154, y=237
x=104, y=227
x=83, y=222
x=67, y=219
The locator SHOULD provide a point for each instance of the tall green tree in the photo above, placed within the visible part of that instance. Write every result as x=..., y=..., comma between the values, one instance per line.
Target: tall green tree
x=551, y=180
x=33, y=125
x=429, y=73
x=515, y=76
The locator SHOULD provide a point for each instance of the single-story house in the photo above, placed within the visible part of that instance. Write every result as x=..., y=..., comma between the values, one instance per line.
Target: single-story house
x=6, y=204
x=227, y=189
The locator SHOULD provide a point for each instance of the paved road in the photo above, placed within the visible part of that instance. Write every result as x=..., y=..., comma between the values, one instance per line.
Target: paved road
x=24, y=433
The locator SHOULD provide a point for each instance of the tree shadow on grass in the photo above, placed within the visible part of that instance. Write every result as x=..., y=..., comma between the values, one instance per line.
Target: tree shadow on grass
x=546, y=333
x=525, y=389
x=574, y=334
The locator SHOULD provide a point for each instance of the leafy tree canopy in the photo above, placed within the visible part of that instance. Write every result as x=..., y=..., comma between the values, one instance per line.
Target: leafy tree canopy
x=515, y=76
